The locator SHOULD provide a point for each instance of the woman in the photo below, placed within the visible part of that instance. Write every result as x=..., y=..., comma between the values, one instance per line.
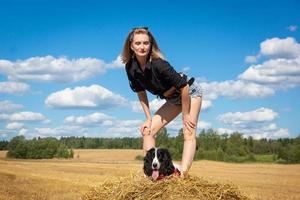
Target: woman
x=147, y=70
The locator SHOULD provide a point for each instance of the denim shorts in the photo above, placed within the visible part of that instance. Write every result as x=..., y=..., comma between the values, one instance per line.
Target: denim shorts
x=195, y=90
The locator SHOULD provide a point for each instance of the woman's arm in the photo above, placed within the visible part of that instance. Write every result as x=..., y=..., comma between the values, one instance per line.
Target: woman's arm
x=144, y=102
x=145, y=105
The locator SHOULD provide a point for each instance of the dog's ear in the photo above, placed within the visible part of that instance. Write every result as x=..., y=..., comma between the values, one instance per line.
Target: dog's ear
x=150, y=151
x=148, y=162
x=148, y=157
x=167, y=164
x=167, y=155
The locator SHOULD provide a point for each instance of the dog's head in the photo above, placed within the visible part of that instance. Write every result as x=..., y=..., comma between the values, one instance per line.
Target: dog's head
x=158, y=162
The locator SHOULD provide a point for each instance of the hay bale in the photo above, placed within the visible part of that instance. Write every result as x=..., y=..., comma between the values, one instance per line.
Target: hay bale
x=140, y=188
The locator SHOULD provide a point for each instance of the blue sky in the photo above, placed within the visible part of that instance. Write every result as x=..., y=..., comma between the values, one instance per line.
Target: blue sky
x=60, y=73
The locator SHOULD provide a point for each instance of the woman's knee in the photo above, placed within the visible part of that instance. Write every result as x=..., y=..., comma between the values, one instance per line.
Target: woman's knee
x=150, y=133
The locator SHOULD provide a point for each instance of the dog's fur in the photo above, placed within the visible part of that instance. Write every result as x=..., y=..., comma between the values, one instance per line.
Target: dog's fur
x=159, y=159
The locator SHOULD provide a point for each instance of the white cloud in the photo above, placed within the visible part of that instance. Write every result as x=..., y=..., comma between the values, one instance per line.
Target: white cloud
x=257, y=123
x=8, y=106
x=14, y=87
x=123, y=128
x=60, y=131
x=3, y=134
x=14, y=125
x=47, y=131
x=265, y=131
x=203, y=125
x=251, y=59
x=122, y=132
x=277, y=73
x=23, y=131
x=174, y=126
x=283, y=48
x=206, y=104
x=259, y=115
x=224, y=130
x=23, y=116
x=235, y=89
x=92, y=97
x=50, y=69
x=115, y=64
x=154, y=105
x=94, y=119
x=292, y=28
x=281, y=70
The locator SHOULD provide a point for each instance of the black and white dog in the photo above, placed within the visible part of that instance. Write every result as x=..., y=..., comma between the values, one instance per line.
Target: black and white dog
x=158, y=164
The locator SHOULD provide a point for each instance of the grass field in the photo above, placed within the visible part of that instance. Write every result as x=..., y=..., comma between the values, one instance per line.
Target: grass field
x=69, y=179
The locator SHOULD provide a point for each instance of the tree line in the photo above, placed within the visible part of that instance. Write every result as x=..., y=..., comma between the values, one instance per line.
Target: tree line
x=210, y=146
x=37, y=148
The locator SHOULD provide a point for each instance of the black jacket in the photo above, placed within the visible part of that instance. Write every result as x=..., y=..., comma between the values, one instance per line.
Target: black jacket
x=158, y=77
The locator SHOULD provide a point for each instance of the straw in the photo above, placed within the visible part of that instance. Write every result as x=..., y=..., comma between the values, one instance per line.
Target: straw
x=140, y=188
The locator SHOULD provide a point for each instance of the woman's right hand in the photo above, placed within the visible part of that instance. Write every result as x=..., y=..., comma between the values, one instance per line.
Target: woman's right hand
x=145, y=128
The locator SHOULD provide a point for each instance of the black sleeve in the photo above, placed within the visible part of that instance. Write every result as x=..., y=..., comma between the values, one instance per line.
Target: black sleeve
x=169, y=75
x=134, y=85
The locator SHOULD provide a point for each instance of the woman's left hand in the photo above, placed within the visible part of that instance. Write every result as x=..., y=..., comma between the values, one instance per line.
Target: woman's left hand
x=187, y=123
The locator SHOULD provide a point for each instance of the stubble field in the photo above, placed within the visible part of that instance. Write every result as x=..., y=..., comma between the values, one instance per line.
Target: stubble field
x=60, y=179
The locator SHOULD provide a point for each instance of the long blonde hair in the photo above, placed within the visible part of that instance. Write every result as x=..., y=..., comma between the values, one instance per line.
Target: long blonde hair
x=127, y=53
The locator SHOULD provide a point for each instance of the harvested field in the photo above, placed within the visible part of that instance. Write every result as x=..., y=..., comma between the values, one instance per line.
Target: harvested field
x=75, y=178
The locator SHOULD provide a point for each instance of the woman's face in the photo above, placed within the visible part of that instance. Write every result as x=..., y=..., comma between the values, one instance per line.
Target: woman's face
x=140, y=45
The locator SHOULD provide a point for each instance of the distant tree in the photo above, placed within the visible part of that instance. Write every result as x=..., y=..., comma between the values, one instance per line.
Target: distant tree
x=37, y=148
x=162, y=138
x=3, y=145
x=17, y=147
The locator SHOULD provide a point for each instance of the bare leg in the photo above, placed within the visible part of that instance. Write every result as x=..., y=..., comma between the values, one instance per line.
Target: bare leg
x=162, y=117
x=189, y=146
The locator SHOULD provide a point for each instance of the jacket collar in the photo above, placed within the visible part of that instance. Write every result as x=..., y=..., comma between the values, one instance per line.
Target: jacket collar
x=137, y=67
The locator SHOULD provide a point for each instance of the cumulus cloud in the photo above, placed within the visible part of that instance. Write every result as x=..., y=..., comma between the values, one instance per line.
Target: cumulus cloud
x=257, y=123
x=154, y=105
x=23, y=131
x=206, y=104
x=23, y=116
x=281, y=69
x=8, y=106
x=110, y=126
x=203, y=125
x=124, y=128
x=292, y=28
x=115, y=64
x=282, y=48
x=92, y=97
x=94, y=119
x=259, y=115
x=235, y=90
x=14, y=87
x=14, y=126
x=276, y=73
x=3, y=134
x=60, y=131
x=251, y=59
x=174, y=126
x=51, y=69
x=224, y=130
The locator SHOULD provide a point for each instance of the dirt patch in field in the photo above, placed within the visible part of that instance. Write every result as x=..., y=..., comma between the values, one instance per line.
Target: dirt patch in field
x=138, y=188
